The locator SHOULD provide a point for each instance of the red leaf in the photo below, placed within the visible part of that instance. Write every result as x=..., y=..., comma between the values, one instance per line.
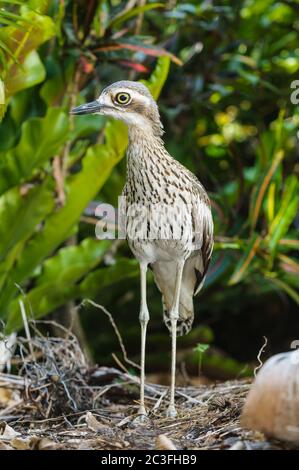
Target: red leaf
x=87, y=66
x=134, y=65
x=152, y=51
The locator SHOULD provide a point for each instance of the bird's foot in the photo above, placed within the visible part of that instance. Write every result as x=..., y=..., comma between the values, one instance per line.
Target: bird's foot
x=171, y=412
x=142, y=416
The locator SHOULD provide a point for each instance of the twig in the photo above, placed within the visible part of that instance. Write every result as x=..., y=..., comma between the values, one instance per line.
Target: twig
x=26, y=327
x=159, y=401
x=60, y=161
x=117, y=332
x=119, y=363
x=139, y=19
x=259, y=356
x=59, y=179
x=7, y=410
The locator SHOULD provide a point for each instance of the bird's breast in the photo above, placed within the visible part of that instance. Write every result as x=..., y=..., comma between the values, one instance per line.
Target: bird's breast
x=160, y=201
x=158, y=229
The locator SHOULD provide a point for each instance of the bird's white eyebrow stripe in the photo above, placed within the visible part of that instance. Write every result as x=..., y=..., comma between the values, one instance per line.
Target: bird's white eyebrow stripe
x=134, y=95
x=138, y=96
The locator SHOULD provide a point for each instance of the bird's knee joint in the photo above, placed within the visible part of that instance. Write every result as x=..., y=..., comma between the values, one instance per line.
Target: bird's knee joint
x=144, y=316
x=173, y=315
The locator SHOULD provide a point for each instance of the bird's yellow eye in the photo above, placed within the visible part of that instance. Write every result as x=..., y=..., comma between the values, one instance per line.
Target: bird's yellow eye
x=122, y=98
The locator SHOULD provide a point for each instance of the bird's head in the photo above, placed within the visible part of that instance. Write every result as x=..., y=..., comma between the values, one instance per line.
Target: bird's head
x=127, y=101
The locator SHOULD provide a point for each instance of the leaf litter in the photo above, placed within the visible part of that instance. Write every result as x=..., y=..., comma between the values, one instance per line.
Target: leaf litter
x=55, y=400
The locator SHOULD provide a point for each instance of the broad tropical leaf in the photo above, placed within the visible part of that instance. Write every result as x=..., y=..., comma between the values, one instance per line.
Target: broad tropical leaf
x=41, y=139
x=72, y=262
x=20, y=214
x=97, y=165
x=52, y=294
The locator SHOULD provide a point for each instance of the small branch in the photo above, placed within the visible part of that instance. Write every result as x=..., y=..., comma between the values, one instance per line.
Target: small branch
x=60, y=161
x=26, y=327
x=119, y=363
x=259, y=356
x=117, y=332
x=59, y=179
x=139, y=19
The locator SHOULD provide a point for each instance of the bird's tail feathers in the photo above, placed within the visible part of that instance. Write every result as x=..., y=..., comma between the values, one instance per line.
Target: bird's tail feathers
x=184, y=325
x=164, y=274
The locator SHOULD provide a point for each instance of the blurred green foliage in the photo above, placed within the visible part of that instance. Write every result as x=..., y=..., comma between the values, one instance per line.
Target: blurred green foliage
x=228, y=117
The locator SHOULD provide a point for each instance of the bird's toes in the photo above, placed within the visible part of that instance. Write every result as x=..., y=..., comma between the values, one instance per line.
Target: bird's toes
x=141, y=418
x=171, y=412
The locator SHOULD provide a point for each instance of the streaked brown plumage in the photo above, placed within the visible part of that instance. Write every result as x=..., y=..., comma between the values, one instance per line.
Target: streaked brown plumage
x=166, y=213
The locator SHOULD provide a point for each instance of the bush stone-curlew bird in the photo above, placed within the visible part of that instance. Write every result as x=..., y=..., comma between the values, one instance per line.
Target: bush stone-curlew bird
x=166, y=212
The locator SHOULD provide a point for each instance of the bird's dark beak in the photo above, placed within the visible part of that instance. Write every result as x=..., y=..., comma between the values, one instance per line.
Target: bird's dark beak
x=87, y=108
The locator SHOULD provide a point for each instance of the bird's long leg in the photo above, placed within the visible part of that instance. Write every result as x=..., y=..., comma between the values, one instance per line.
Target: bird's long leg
x=174, y=315
x=143, y=318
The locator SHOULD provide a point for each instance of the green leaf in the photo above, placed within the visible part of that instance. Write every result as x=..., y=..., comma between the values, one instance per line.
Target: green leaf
x=41, y=139
x=244, y=262
x=158, y=77
x=86, y=125
x=13, y=2
x=22, y=44
x=39, y=29
x=54, y=89
x=52, y=294
x=286, y=287
x=29, y=74
x=124, y=16
x=103, y=277
x=4, y=14
x=97, y=165
x=261, y=188
x=8, y=133
x=80, y=189
x=270, y=202
x=286, y=214
x=2, y=99
x=288, y=264
x=200, y=348
x=39, y=5
x=11, y=258
x=20, y=214
x=72, y=262
x=290, y=243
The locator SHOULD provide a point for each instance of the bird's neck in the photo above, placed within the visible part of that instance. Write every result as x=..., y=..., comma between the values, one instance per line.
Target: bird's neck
x=139, y=135
x=144, y=146
x=146, y=160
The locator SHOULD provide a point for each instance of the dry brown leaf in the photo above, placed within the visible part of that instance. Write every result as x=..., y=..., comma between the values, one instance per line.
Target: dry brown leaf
x=5, y=396
x=164, y=443
x=9, y=397
x=92, y=423
x=90, y=444
x=47, y=444
x=20, y=443
x=5, y=446
x=8, y=433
